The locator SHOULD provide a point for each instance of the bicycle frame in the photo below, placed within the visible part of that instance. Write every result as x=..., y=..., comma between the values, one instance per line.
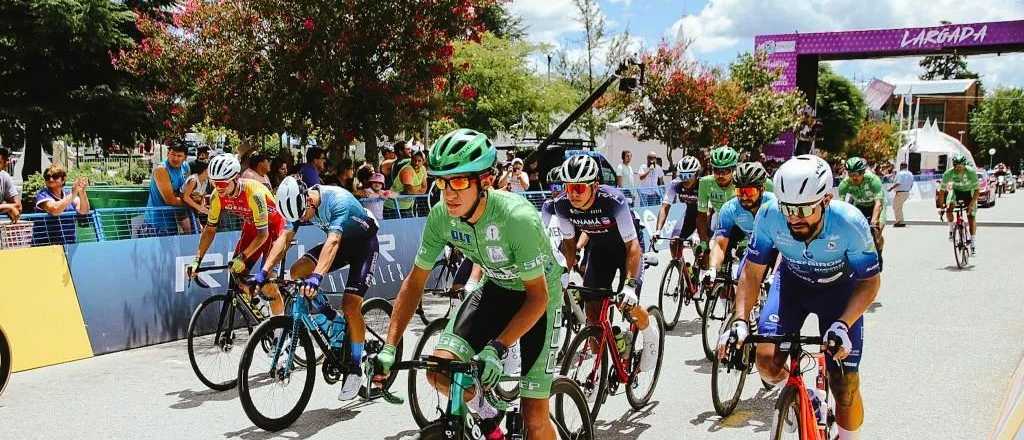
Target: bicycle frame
x=604, y=322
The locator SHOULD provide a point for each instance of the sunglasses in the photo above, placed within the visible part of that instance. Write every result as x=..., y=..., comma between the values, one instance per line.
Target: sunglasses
x=722, y=171
x=748, y=192
x=454, y=183
x=855, y=174
x=577, y=188
x=55, y=177
x=801, y=211
x=221, y=184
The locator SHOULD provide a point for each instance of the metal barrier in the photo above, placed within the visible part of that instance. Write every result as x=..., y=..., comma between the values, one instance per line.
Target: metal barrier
x=109, y=224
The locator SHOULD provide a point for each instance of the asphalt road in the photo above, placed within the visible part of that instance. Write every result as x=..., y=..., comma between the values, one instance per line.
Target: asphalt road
x=940, y=346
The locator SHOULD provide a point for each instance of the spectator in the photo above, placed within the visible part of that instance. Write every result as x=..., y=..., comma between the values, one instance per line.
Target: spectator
x=280, y=168
x=651, y=173
x=402, y=153
x=373, y=194
x=411, y=180
x=533, y=170
x=362, y=176
x=516, y=180
x=202, y=155
x=259, y=166
x=625, y=176
x=11, y=203
x=904, y=182
x=53, y=200
x=316, y=161
x=346, y=174
x=196, y=189
x=389, y=159
x=165, y=190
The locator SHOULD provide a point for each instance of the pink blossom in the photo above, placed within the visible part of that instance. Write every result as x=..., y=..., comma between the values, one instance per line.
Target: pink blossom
x=308, y=24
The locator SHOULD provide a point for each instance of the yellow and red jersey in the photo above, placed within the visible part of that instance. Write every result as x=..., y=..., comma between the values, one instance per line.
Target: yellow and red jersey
x=253, y=203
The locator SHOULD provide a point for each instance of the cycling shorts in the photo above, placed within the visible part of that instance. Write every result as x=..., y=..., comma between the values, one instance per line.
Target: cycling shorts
x=484, y=315
x=791, y=300
x=359, y=254
x=962, y=196
x=463, y=273
x=685, y=227
x=275, y=226
x=868, y=210
x=605, y=258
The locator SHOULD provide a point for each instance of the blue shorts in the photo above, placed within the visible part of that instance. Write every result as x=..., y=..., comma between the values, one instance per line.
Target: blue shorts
x=359, y=254
x=790, y=300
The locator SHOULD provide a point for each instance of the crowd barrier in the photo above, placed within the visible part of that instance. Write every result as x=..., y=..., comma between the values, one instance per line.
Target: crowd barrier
x=122, y=285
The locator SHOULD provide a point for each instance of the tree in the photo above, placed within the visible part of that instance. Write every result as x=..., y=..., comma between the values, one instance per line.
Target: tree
x=876, y=141
x=840, y=108
x=757, y=113
x=57, y=78
x=997, y=121
x=594, y=36
x=947, y=66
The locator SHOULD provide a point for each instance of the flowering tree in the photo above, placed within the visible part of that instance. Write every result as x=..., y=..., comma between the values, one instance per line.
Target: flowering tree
x=758, y=114
x=876, y=141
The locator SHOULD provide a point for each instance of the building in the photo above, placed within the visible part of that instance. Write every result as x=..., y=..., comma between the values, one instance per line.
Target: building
x=948, y=102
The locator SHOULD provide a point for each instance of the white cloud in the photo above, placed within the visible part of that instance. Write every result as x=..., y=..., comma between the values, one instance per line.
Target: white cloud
x=547, y=20
x=725, y=27
x=627, y=3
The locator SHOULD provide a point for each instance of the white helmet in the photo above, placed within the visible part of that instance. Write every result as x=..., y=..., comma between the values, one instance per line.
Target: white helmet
x=291, y=198
x=803, y=179
x=225, y=166
x=688, y=165
x=580, y=169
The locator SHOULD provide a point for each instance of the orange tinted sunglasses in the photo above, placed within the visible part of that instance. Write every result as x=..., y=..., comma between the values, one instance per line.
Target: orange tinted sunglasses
x=577, y=188
x=454, y=183
x=747, y=192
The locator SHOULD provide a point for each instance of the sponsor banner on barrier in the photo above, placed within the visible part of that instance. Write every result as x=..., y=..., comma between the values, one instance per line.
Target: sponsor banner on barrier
x=135, y=292
x=40, y=313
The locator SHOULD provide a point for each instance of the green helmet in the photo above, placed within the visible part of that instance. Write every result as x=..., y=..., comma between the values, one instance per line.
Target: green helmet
x=856, y=165
x=463, y=151
x=724, y=157
x=959, y=159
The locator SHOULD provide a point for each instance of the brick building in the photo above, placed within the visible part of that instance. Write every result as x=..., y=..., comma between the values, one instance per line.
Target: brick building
x=948, y=102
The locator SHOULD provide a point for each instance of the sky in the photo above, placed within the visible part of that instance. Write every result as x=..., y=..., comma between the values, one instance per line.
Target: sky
x=721, y=29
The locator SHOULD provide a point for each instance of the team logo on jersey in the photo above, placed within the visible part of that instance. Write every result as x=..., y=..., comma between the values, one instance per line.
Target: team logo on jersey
x=461, y=236
x=831, y=245
x=492, y=233
x=497, y=254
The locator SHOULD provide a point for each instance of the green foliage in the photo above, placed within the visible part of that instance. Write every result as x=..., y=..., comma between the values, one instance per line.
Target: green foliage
x=998, y=120
x=758, y=114
x=948, y=66
x=877, y=141
x=840, y=108
x=749, y=72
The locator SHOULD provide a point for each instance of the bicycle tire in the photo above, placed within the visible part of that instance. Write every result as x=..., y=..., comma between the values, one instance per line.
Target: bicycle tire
x=588, y=334
x=725, y=407
x=788, y=403
x=959, y=245
x=635, y=399
x=377, y=318
x=6, y=361
x=267, y=329
x=965, y=248
x=713, y=320
x=573, y=396
x=194, y=331
x=672, y=310
x=415, y=376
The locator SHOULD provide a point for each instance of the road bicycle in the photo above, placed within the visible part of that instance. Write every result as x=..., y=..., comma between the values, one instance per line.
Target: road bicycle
x=568, y=405
x=679, y=285
x=5, y=361
x=961, y=235
x=442, y=275
x=721, y=299
x=798, y=415
x=587, y=358
x=218, y=325
x=267, y=384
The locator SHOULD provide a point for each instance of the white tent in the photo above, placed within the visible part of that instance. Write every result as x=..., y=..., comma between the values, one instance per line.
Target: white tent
x=619, y=137
x=932, y=144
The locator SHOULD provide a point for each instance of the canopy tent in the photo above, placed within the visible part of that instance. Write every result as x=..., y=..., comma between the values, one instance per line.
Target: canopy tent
x=932, y=145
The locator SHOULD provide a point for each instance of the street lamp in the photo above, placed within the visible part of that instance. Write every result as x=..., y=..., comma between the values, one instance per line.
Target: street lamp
x=961, y=136
x=991, y=152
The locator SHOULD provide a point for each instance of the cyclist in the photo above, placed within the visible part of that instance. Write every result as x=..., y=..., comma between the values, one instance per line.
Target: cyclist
x=351, y=241
x=736, y=219
x=613, y=245
x=829, y=267
x=1001, y=175
x=714, y=190
x=262, y=224
x=960, y=183
x=863, y=189
x=682, y=189
x=519, y=298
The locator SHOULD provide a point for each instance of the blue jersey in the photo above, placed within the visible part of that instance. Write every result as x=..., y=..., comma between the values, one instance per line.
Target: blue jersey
x=609, y=218
x=341, y=212
x=843, y=249
x=733, y=214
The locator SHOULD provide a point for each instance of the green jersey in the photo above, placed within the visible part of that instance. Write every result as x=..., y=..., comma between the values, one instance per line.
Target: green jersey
x=508, y=243
x=712, y=196
x=963, y=182
x=869, y=190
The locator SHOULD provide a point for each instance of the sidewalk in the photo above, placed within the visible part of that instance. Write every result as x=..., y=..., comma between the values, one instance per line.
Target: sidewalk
x=1011, y=418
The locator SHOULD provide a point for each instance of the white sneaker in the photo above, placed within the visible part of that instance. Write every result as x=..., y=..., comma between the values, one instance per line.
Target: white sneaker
x=649, y=357
x=350, y=387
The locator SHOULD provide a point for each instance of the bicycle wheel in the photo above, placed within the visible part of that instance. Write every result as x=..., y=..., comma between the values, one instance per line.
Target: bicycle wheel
x=641, y=384
x=5, y=361
x=727, y=381
x=570, y=413
x=965, y=247
x=671, y=295
x=272, y=399
x=570, y=326
x=586, y=363
x=377, y=316
x=716, y=313
x=960, y=250
x=441, y=277
x=786, y=422
x=216, y=328
x=426, y=403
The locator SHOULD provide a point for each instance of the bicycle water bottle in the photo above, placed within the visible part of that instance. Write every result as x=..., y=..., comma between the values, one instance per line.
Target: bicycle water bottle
x=622, y=341
x=337, y=334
